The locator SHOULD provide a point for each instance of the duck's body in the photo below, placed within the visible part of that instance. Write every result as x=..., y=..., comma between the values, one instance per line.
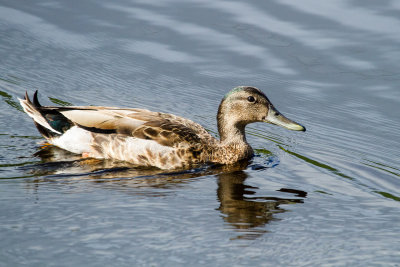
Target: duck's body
x=147, y=138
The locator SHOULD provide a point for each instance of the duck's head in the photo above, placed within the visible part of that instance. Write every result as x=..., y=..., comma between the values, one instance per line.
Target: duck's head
x=244, y=105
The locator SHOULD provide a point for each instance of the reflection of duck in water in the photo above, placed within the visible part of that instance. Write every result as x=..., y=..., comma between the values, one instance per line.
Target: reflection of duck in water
x=245, y=212
x=149, y=138
x=238, y=203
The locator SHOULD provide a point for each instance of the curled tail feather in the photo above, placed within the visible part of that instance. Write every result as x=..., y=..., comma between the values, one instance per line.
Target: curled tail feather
x=33, y=110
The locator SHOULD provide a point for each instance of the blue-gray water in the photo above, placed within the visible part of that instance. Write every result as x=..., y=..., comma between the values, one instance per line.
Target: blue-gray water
x=329, y=196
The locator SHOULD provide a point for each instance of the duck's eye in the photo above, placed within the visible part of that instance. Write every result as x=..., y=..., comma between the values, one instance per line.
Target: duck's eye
x=251, y=99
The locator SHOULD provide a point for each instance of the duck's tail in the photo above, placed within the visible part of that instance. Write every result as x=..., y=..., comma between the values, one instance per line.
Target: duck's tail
x=39, y=116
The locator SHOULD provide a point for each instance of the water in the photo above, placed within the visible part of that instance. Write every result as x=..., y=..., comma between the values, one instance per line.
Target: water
x=329, y=196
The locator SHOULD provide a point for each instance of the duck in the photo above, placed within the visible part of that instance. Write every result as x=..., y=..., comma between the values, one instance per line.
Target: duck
x=155, y=139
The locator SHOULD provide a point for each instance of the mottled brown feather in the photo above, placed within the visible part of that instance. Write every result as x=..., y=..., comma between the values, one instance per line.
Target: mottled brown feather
x=167, y=133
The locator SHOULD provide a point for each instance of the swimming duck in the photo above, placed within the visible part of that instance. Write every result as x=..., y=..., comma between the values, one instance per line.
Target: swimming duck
x=162, y=140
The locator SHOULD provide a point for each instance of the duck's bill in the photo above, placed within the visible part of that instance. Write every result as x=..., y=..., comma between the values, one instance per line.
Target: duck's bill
x=275, y=117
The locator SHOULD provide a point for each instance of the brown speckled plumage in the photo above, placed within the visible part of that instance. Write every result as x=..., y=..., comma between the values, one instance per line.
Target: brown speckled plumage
x=148, y=138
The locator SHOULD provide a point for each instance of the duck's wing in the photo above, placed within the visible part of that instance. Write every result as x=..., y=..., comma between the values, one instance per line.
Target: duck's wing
x=165, y=129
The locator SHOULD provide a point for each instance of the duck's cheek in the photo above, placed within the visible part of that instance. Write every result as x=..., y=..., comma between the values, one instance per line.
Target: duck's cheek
x=262, y=116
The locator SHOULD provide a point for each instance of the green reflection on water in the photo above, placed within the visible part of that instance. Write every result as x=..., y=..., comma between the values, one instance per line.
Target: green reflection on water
x=60, y=102
x=317, y=163
x=9, y=100
x=337, y=172
x=383, y=167
x=388, y=195
x=9, y=81
x=263, y=151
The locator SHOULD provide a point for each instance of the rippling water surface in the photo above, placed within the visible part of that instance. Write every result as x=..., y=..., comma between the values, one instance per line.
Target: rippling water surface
x=329, y=196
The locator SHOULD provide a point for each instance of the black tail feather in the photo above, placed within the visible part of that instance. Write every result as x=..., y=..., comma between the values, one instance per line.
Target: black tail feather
x=35, y=99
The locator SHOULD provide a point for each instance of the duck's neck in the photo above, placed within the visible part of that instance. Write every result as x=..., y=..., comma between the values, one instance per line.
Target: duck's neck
x=231, y=132
x=233, y=145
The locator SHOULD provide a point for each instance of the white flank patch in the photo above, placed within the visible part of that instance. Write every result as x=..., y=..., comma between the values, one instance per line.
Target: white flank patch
x=76, y=140
x=139, y=146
